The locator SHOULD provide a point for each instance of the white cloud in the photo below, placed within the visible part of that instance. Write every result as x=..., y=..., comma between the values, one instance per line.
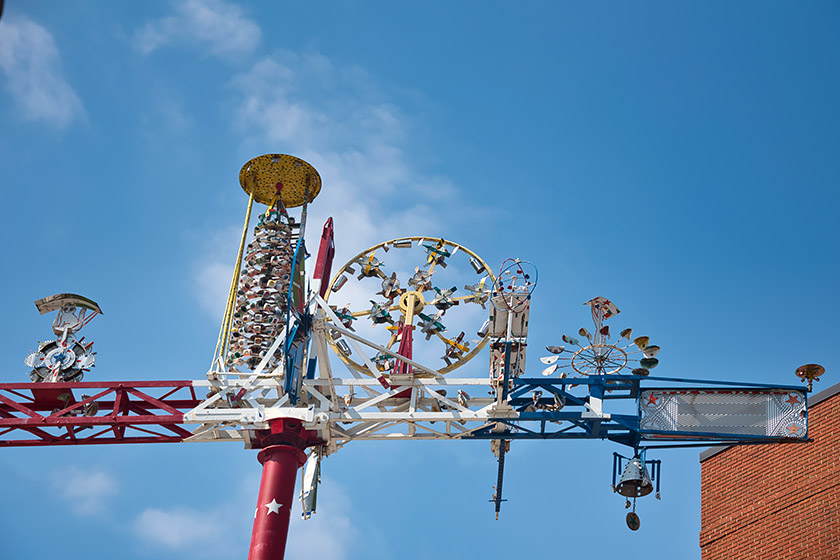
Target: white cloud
x=223, y=529
x=87, y=491
x=213, y=282
x=31, y=65
x=220, y=27
x=327, y=534
x=181, y=528
x=340, y=121
x=220, y=530
x=214, y=272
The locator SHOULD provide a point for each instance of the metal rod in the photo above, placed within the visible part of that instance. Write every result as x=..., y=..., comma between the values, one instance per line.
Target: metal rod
x=497, y=497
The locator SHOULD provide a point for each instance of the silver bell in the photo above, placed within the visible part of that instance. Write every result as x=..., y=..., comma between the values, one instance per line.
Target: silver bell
x=635, y=480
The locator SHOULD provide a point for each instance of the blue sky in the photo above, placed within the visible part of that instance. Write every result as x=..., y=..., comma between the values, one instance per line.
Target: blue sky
x=679, y=159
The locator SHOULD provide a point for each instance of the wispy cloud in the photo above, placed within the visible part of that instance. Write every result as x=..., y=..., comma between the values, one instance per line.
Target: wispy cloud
x=179, y=528
x=342, y=122
x=331, y=527
x=348, y=126
x=222, y=529
x=216, y=530
x=31, y=66
x=219, y=27
x=87, y=491
x=213, y=274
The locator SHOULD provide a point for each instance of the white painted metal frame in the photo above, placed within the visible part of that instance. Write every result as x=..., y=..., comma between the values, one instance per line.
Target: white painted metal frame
x=421, y=406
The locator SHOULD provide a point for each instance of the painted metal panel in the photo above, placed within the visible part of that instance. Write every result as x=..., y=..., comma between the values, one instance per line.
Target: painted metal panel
x=716, y=413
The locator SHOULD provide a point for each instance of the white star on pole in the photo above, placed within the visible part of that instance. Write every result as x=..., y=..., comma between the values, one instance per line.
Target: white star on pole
x=273, y=507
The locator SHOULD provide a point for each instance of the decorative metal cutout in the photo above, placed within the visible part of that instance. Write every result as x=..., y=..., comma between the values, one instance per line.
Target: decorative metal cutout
x=716, y=413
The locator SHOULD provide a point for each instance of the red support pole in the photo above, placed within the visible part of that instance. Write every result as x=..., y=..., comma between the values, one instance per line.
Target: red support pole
x=271, y=521
x=281, y=459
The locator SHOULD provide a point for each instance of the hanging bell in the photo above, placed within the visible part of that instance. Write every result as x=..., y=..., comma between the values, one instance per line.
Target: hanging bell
x=635, y=480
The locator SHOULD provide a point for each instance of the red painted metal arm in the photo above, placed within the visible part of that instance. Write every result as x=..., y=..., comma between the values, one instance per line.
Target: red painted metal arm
x=90, y=413
x=326, y=252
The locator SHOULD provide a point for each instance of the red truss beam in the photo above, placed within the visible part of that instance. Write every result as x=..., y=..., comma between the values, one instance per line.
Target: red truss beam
x=91, y=413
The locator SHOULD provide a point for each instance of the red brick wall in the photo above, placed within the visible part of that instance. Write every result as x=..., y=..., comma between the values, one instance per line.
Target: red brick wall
x=776, y=501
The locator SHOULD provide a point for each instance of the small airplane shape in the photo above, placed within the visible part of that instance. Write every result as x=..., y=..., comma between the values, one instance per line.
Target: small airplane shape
x=390, y=287
x=422, y=280
x=345, y=316
x=437, y=253
x=431, y=325
x=369, y=266
x=479, y=294
x=454, y=348
x=444, y=299
x=383, y=362
x=379, y=313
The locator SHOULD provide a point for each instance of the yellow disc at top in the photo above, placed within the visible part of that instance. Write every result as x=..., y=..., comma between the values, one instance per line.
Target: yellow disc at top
x=270, y=175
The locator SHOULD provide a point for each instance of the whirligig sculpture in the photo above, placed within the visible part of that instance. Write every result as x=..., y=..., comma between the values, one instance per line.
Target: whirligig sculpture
x=65, y=358
x=396, y=316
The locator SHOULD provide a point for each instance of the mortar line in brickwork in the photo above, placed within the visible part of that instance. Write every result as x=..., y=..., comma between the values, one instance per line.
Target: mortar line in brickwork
x=768, y=514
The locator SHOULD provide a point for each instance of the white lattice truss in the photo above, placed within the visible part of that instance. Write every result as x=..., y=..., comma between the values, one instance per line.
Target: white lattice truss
x=425, y=405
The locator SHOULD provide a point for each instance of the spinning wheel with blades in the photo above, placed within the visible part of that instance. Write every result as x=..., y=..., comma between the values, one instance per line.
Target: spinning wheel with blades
x=430, y=283
x=600, y=356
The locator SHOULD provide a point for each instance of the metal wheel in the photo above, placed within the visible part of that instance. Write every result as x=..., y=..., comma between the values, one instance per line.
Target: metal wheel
x=599, y=359
x=52, y=361
x=429, y=283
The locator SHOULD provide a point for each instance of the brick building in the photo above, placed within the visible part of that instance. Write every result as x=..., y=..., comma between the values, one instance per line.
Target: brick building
x=776, y=501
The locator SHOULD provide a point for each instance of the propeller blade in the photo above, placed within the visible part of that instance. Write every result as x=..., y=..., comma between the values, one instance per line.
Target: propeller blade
x=648, y=363
x=641, y=342
x=550, y=369
x=651, y=351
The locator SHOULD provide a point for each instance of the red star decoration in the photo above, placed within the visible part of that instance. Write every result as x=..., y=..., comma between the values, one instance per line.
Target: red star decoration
x=793, y=399
x=793, y=429
x=652, y=399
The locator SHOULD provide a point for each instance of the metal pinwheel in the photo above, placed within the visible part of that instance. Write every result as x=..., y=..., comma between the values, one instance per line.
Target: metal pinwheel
x=594, y=353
